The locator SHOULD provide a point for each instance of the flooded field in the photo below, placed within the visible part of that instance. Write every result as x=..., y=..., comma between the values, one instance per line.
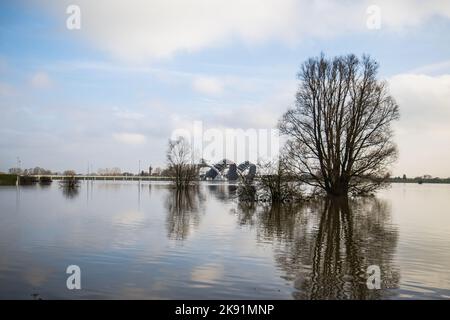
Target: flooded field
x=144, y=241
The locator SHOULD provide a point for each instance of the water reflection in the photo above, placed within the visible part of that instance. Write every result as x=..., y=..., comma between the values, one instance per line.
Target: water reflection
x=325, y=247
x=148, y=241
x=223, y=192
x=69, y=191
x=183, y=212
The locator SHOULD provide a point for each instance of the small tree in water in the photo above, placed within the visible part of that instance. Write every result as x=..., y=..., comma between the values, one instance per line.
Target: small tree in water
x=274, y=183
x=182, y=168
x=339, y=132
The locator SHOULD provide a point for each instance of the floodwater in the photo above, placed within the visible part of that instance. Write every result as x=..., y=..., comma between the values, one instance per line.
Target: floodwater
x=144, y=241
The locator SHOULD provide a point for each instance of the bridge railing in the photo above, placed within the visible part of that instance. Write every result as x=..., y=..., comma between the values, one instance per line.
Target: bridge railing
x=97, y=177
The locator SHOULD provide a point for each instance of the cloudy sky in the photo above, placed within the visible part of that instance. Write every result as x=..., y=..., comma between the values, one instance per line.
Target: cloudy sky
x=113, y=91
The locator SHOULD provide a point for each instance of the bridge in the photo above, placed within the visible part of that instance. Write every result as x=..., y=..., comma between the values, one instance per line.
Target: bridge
x=228, y=170
x=222, y=170
x=100, y=178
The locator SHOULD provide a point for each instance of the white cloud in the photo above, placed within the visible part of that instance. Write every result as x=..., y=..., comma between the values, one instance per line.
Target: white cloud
x=130, y=138
x=208, y=85
x=407, y=13
x=423, y=133
x=127, y=115
x=438, y=68
x=141, y=29
x=40, y=80
x=424, y=100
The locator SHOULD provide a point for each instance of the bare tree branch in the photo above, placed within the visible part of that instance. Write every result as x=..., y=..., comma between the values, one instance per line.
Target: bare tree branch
x=181, y=163
x=339, y=132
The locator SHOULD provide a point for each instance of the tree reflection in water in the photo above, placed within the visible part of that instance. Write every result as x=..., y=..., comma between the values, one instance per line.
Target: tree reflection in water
x=325, y=247
x=70, y=189
x=222, y=192
x=183, y=211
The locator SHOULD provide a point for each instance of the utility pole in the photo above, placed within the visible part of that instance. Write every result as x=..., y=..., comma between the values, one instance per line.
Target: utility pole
x=19, y=164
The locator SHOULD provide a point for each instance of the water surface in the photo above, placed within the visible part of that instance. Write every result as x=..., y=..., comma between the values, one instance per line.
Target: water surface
x=144, y=241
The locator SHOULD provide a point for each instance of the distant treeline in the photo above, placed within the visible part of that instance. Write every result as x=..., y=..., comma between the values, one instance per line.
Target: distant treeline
x=13, y=179
x=100, y=172
x=7, y=179
x=419, y=180
x=30, y=171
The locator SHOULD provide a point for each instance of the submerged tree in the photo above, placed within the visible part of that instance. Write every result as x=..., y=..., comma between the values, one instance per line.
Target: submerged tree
x=324, y=247
x=339, y=132
x=246, y=191
x=182, y=168
x=274, y=182
x=183, y=212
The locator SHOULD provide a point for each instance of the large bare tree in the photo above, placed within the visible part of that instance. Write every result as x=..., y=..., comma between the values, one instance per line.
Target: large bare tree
x=275, y=183
x=339, y=132
x=181, y=163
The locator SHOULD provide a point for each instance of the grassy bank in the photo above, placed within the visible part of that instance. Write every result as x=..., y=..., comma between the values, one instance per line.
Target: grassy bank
x=8, y=179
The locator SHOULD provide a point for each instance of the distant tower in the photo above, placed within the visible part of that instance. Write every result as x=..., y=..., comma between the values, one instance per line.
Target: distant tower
x=150, y=170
